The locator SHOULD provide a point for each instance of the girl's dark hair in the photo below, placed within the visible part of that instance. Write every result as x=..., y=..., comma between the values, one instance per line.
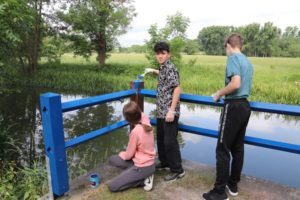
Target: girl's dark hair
x=133, y=115
x=235, y=40
x=160, y=47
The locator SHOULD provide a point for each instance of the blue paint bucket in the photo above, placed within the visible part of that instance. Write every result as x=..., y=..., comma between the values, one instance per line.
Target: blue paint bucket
x=94, y=180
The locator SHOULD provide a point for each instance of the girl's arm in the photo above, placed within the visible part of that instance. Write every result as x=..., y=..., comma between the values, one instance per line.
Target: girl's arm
x=131, y=147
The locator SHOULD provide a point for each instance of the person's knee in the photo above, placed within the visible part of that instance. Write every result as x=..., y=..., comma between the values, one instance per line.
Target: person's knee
x=113, y=160
x=222, y=153
x=237, y=153
x=113, y=187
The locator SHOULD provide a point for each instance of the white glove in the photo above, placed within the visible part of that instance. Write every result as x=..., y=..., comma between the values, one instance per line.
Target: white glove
x=216, y=96
x=149, y=70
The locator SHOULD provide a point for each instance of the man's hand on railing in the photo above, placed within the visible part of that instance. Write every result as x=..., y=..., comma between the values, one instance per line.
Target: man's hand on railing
x=216, y=96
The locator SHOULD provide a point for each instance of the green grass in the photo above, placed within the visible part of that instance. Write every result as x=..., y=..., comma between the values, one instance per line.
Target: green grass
x=103, y=193
x=276, y=80
x=22, y=183
x=19, y=182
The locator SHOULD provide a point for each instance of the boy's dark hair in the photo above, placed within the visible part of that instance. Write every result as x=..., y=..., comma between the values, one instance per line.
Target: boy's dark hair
x=235, y=40
x=161, y=46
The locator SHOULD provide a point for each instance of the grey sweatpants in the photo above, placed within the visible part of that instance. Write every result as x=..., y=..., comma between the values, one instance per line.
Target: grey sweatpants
x=132, y=176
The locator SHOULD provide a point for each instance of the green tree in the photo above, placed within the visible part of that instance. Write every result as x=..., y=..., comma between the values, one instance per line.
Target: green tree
x=53, y=47
x=289, y=42
x=212, y=39
x=268, y=38
x=191, y=47
x=176, y=26
x=174, y=33
x=250, y=34
x=15, y=22
x=21, y=32
x=291, y=31
x=93, y=25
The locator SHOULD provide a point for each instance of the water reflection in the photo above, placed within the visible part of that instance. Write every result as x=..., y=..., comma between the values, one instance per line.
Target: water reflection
x=20, y=125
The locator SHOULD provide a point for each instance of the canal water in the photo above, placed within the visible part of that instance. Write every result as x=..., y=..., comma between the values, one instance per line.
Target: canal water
x=22, y=139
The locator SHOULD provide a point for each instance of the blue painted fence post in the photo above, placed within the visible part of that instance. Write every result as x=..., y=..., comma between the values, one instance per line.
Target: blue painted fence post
x=55, y=142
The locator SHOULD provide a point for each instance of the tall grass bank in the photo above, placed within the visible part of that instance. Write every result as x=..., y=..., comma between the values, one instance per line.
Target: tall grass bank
x=276, y=80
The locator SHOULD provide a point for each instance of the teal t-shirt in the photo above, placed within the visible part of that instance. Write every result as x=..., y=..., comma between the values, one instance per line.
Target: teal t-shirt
x=238, y=64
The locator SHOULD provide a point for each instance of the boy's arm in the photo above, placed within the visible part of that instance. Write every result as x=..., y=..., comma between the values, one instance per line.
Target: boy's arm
x=155, y=71
x=234, y=84
x=175, y=99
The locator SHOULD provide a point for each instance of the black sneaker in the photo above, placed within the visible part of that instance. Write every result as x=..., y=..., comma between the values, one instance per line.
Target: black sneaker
x=233, y=190
x=161, y=166
x=172, y=176
x=213, y=195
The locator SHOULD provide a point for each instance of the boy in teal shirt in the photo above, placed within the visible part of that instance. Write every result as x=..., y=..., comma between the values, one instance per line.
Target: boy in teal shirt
x=234, y=120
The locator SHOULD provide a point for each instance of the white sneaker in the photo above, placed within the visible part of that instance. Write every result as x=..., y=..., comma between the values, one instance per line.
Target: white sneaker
x=148, y=183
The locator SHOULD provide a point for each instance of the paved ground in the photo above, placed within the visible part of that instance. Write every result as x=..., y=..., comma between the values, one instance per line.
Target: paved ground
x=199, y=178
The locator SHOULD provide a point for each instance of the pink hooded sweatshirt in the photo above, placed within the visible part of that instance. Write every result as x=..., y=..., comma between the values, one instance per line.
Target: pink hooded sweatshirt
x=140, y=148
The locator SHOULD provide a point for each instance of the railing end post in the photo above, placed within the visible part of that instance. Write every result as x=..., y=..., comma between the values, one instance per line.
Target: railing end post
x=53, y=134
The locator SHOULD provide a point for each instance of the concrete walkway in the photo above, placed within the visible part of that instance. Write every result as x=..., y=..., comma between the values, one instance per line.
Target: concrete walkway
x=199, y=178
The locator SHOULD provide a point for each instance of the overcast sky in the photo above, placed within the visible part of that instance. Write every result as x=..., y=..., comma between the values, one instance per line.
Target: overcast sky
x=201, y=13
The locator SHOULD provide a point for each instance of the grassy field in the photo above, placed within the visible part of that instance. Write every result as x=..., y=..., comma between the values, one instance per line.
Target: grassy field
x=276, y=80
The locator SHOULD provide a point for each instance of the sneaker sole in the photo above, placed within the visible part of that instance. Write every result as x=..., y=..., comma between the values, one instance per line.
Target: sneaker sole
x=161, y=169
x=224, y=199
x=146, y=188
x=234, y=194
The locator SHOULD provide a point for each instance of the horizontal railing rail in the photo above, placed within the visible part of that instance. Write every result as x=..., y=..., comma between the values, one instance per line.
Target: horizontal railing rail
x=255, y=106
x=91, y=135
x=96, y=100
x=270, y=144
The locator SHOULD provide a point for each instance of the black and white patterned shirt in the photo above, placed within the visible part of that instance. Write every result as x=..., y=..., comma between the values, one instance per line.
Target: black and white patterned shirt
x=168, y=79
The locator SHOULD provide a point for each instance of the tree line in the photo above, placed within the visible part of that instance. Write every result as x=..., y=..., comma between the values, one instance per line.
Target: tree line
x=259, y=40
x=264, y=40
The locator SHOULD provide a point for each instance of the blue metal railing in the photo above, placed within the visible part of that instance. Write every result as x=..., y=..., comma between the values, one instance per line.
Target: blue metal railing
x=55, y=144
